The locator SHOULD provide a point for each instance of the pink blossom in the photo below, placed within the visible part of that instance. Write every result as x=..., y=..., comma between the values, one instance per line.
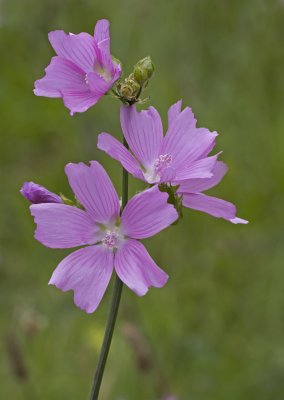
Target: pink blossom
x=192, y=196
x=83, y=70
x=39, y=194
x=111, y=240
x=181, y=154
x=179, y=159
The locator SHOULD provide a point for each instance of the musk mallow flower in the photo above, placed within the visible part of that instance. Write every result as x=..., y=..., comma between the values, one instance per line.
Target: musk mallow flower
x=111, y=239
x=37, y=194
x=180, y=159
x=83, y=70
x=192, y=196
x=181, y=154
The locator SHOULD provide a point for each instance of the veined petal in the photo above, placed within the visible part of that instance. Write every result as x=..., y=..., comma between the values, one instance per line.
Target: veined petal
x=101, y=33
x=94, y=190
x=183, y=140
x=80, y=49
x=143, y=132
x=100, y=85
x=201, y=168
x=199, y=185
x=147, y=213
x=180, y=126
x=87, y=272
x=79, y=101
x=137, y=269
x=115, y=149
x=61, y=75
x=62, y=226
x=173, y=112
x=211, y=205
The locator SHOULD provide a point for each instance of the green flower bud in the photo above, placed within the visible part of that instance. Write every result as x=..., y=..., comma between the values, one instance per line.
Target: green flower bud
x=129, y=89
x=143, y=70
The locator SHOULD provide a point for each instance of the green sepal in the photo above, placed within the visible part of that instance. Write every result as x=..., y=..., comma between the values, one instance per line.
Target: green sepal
x=174, y=198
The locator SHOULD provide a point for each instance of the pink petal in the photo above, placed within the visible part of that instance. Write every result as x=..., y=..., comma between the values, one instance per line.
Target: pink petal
x=143, y=132
x=173, y=113
x=60, y=75
x=62, y=226
x=137, y=269
x=101, y=34
x=98, y=85
x=197, y=169
x=184, y=142
x=79, y=101
x=168, y=175
x=199, y=185
x=80, y=49
x=94, y=190
x=87, y=272
x=147, y=213
x=64, y=79
x=115, y=149
x=211, y=205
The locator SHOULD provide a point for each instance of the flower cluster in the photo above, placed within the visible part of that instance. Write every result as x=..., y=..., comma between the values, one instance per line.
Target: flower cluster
x=177, y=168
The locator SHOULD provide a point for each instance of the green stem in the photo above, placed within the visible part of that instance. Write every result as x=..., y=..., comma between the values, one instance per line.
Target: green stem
x=113, y=308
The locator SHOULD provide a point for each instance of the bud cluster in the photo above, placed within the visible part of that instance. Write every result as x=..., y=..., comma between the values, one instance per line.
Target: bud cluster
x=129, y=90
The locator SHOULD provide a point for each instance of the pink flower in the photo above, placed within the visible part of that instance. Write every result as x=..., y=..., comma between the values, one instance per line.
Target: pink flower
x=180, y=158
x=193, y=198
x=181, y=154
x=111, y=239
x=39, y=194
x=83, y=70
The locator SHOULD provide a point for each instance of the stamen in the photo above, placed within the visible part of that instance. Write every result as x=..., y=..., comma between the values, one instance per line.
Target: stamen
x=111, y=240
x=162, y=162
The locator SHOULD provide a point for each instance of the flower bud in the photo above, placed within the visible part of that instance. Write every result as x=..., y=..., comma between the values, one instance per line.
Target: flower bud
x=143, y=70
x=129, y=89
x=37, y=194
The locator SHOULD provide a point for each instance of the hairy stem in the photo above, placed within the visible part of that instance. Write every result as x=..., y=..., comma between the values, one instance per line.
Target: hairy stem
x=113, y=308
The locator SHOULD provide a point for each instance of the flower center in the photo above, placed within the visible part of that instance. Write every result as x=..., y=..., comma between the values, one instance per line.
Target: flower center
x=162, y=162
x=106, y=75
x=111, y=240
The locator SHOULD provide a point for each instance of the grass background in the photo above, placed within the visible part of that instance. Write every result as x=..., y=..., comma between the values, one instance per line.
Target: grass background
x=215, y=332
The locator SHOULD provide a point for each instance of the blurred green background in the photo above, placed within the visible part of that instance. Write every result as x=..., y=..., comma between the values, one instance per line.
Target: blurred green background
x=216, y=331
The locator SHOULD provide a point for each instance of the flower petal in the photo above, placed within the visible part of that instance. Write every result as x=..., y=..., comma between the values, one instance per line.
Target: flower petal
x=143, y=132
x=98, y=85
x=183, y=141
x=201, y=168
x=147, y=213
x=211, y=205
x=137, y=269
x=173, y=112
x=87, y=272
x=199, y=185
x=94, y=190
x=62, y=226
x=115, y=149
x=79, y=101
x=80, y=49
x=101, y=34
x=60, y=75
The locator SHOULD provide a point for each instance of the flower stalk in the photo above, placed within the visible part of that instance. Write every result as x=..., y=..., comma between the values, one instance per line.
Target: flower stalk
x=113, y=308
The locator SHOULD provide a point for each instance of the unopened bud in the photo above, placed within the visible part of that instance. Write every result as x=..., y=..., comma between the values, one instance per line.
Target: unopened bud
x=37, y=194
x=129, y=89
x=143, y=70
